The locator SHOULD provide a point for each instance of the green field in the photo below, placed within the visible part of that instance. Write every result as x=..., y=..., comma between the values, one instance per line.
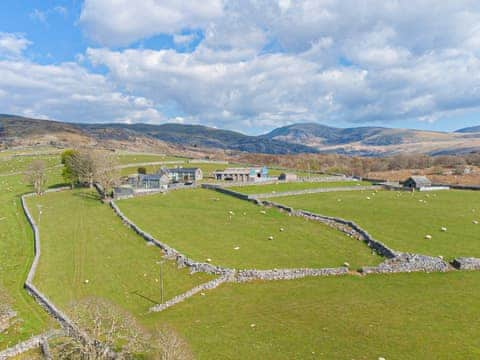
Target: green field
x=198, y=224
x=16, y=255
x=125, y=159
x=402, y=220
x=82, y=239
x=10, y=165
x=294, y=186
x=397, y=317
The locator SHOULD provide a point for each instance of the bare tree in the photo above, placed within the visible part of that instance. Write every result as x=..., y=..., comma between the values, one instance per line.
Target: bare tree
x=112, y=332
x=106, y=173
x=36, y=175
x=170, y=346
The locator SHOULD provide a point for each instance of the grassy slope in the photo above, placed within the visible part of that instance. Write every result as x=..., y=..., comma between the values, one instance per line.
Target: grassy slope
x=193, y=222
x=16, y=255
x=125, y=159
x=293, y=186
x=401, y=221
x=82, y=240
x=10, y=165
x=405, y=316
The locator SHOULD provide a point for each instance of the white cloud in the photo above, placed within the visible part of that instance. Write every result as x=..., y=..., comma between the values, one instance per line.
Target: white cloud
x=68, y=92
x=120, y=22
x=12, y=44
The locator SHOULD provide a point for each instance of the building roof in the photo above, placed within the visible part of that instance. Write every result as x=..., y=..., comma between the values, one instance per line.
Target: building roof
x=238, y=170
x=420, y=180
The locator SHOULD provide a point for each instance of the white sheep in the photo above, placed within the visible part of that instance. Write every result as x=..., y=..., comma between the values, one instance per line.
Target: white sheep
x=282, y=229
x=475, y=222
x=236, y=248
x=346, y=264
x=270, y=237
x=443, y=228
x=86, y=281
x=428, y=237
x=209, y=260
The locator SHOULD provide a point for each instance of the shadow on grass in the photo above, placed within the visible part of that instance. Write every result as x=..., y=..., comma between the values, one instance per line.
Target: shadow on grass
x=145, y=297
x=91, y=195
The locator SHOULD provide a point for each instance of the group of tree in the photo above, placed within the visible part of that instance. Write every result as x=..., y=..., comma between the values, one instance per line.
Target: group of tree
x=86, y=167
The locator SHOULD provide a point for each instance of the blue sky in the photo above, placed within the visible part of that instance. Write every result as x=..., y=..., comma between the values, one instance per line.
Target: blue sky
x=243, y=64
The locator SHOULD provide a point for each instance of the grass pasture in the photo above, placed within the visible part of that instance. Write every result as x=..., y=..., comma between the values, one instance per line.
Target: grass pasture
x=294, y=186
x=199, y=224
x=402, y=219
x=16, y=254
x=125, y=159
x=397, y=317
x=82, y=239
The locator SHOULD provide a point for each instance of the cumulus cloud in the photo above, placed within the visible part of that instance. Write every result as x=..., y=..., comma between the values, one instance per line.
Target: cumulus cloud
x=259, y=64
x=12, y=45
x=68, y=92
x=121, y=22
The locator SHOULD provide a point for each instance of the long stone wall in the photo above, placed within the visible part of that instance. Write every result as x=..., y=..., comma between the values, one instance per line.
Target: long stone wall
x=170, y=252
x=348, y=227
x=312, y=191
x=69, y=327
x=286, y=274
x=182, y=297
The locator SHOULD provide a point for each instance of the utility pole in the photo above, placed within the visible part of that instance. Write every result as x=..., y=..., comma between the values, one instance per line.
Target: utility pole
x=161, y=280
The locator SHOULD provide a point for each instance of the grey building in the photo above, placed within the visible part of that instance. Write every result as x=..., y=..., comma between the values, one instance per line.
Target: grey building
x=253, y=174
x=417, y=182
x=181, y=174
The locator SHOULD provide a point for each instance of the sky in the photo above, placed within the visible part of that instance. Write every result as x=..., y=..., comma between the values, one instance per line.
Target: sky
x=245, y=65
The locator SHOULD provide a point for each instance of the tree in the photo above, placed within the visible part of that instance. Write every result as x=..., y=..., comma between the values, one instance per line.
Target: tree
x=109, y=330
x=69, y=174
x=106, y=172
x=141, y=170
x=36, y=175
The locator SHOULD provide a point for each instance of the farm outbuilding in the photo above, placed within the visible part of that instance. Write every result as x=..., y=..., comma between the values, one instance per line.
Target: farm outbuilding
x=417, y=182
x=253, y=174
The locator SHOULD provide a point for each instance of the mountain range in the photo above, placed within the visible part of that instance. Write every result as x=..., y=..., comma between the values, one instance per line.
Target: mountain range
x=292, y=139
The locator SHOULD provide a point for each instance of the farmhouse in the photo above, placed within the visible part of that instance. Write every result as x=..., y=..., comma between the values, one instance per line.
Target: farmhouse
x=179, y=174
x=417, y=182
x=149, y=181
x=254, y=174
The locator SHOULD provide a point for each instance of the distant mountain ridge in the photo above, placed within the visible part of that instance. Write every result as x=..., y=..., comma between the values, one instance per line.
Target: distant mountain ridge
x=291, y=139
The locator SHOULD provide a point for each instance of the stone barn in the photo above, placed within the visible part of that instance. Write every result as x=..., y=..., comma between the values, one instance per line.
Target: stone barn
x=417, y=183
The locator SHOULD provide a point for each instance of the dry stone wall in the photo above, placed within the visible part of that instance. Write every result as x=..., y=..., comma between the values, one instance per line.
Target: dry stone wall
x=406, y=263
x=182, y=260
x=466, y=263
x=69, y=327
x=30, y=344
x=312, y=191
x=286, y=274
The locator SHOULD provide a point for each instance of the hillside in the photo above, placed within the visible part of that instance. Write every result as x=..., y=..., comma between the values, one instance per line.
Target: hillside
x=375, y=141
x=473, y=129
x=198, y=140
x=201, y=136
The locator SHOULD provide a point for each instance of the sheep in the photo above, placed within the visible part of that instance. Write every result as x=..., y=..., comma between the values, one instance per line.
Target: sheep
x=346, y=264
x=282, y=229
x=263, y=212
x=86, y=281
x=443, y=228
x=368, y=197
x=475, y=222
x=270, y=237
x=236, y=248
x=209, y=260
x=428, y=237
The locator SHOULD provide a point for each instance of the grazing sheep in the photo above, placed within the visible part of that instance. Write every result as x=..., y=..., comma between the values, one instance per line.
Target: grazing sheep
x=475, y=222
x=428, y=237
x=209, y=260
x=282, y=229
x=443, y=228
x=270, y=237
x=263, y=212
x=86, y=281
x=368, y=197
x=346, y=264
x=236, y=248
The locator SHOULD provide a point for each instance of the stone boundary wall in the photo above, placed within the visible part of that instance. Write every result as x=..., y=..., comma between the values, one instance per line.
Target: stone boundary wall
x=286, y=274
x=348, y=227
x=170, y=252
x=466, y=263
x=202, y=287
x=39, y=297
x=459, y=187
x=312, y=191
x=30, y=344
